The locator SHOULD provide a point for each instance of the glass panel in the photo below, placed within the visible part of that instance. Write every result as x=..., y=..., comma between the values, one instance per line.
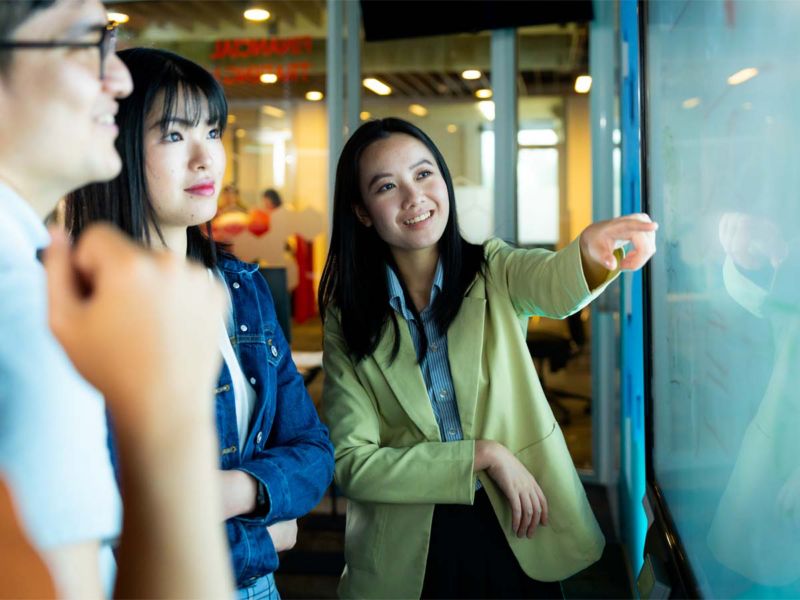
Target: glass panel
x=539, y=185
x=722, y=134
x=553, y=205
x=538, y=199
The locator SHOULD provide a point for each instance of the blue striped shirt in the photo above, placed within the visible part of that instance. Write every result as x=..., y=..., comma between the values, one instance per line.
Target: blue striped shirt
x=436, y=365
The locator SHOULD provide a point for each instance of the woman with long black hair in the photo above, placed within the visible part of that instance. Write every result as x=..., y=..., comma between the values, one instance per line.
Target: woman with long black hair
x=275, y=456
x=458, y=478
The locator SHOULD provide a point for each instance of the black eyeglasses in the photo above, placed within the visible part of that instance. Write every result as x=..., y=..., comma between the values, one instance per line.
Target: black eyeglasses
x=107, y=44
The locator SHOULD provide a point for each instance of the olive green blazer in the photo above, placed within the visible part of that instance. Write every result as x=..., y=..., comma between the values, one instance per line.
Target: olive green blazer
x=391, y=463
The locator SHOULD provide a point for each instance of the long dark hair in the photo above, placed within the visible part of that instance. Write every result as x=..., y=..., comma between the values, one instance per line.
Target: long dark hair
x=124, y=200
x=354, y=279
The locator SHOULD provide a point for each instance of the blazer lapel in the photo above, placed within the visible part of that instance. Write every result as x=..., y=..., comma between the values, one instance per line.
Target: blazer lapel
x=405, y=378
x=465, y=349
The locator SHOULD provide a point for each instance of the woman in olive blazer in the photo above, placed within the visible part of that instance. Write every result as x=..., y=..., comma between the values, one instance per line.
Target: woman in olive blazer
x=391, y=461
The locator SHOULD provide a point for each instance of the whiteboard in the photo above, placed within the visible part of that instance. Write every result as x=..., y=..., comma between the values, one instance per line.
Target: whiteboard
x=722, y=114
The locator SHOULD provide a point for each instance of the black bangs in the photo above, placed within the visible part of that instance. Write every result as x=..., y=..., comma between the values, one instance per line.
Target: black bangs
x=188, y=90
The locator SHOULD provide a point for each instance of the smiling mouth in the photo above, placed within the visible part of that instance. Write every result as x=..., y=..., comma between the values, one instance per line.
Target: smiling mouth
x=206, y=189
x=419, y=218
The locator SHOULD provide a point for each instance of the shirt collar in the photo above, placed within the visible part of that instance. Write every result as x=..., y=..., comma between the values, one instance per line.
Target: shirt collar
x=23, y=218
x=397, y=299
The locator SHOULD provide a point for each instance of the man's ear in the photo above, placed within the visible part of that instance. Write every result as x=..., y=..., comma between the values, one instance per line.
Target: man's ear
x=362, y=215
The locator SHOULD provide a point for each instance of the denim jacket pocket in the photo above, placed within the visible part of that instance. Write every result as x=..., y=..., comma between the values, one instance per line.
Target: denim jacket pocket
x=274, y=352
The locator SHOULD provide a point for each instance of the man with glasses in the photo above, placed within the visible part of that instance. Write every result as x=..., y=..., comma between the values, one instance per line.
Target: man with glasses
x=110, y=306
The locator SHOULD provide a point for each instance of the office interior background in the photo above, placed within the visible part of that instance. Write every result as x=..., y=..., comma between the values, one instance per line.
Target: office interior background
x=677, y=389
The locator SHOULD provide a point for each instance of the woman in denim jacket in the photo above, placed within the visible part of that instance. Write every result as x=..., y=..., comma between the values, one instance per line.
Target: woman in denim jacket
x=275, y=456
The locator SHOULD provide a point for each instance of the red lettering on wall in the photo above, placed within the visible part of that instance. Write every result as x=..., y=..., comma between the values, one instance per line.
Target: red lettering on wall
x=239, y=74
x=249, y=48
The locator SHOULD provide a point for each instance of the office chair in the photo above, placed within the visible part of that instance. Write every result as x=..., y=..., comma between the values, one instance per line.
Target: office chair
x=276, y=280
x=557, y=349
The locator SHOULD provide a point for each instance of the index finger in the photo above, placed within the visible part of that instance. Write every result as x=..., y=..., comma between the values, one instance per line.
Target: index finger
x=640, y=216
x=625, y=227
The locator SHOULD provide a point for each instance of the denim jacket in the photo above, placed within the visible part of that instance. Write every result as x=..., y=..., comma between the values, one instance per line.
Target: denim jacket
x=287, y=450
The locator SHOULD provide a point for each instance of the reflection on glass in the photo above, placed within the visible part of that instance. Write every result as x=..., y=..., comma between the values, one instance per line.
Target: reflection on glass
x=722, y=136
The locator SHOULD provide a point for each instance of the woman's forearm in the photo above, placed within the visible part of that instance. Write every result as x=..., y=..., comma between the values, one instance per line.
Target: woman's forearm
x=239, y=491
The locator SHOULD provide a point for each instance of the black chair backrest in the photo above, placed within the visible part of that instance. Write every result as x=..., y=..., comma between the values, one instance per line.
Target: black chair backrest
x=576, y=330
x=276, y=280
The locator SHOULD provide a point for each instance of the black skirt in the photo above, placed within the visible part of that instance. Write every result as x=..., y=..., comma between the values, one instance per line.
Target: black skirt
x=469, y=557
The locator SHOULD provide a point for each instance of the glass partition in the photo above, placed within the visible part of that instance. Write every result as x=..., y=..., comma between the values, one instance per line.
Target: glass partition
x=721, y=136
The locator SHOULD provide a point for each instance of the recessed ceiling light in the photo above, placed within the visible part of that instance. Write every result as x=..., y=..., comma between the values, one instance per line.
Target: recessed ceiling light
x=471, y=74
x=256, y=14
x=583, y=83
x=268, y=78
x=314, y=96
x=483, y=93
x=377, y=86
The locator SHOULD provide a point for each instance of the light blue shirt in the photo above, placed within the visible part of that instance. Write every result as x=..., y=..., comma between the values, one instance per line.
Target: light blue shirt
x=53, y=433
x=436, y=365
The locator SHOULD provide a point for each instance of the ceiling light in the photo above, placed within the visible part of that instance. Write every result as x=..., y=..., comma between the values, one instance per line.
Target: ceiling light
x=231, y=118
x=268, y=78
x=471, y=74
x=691, y=103
x=117, y=17
x=377, y=86
x=418, y=109
x=487, y=108
x=583, y=84
x=452, y=128
x=364, y=115
x=256, y=14
x=314, y=96
x=240, y=133
x=273, y=111
x=483, y=93
x=742, y=76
